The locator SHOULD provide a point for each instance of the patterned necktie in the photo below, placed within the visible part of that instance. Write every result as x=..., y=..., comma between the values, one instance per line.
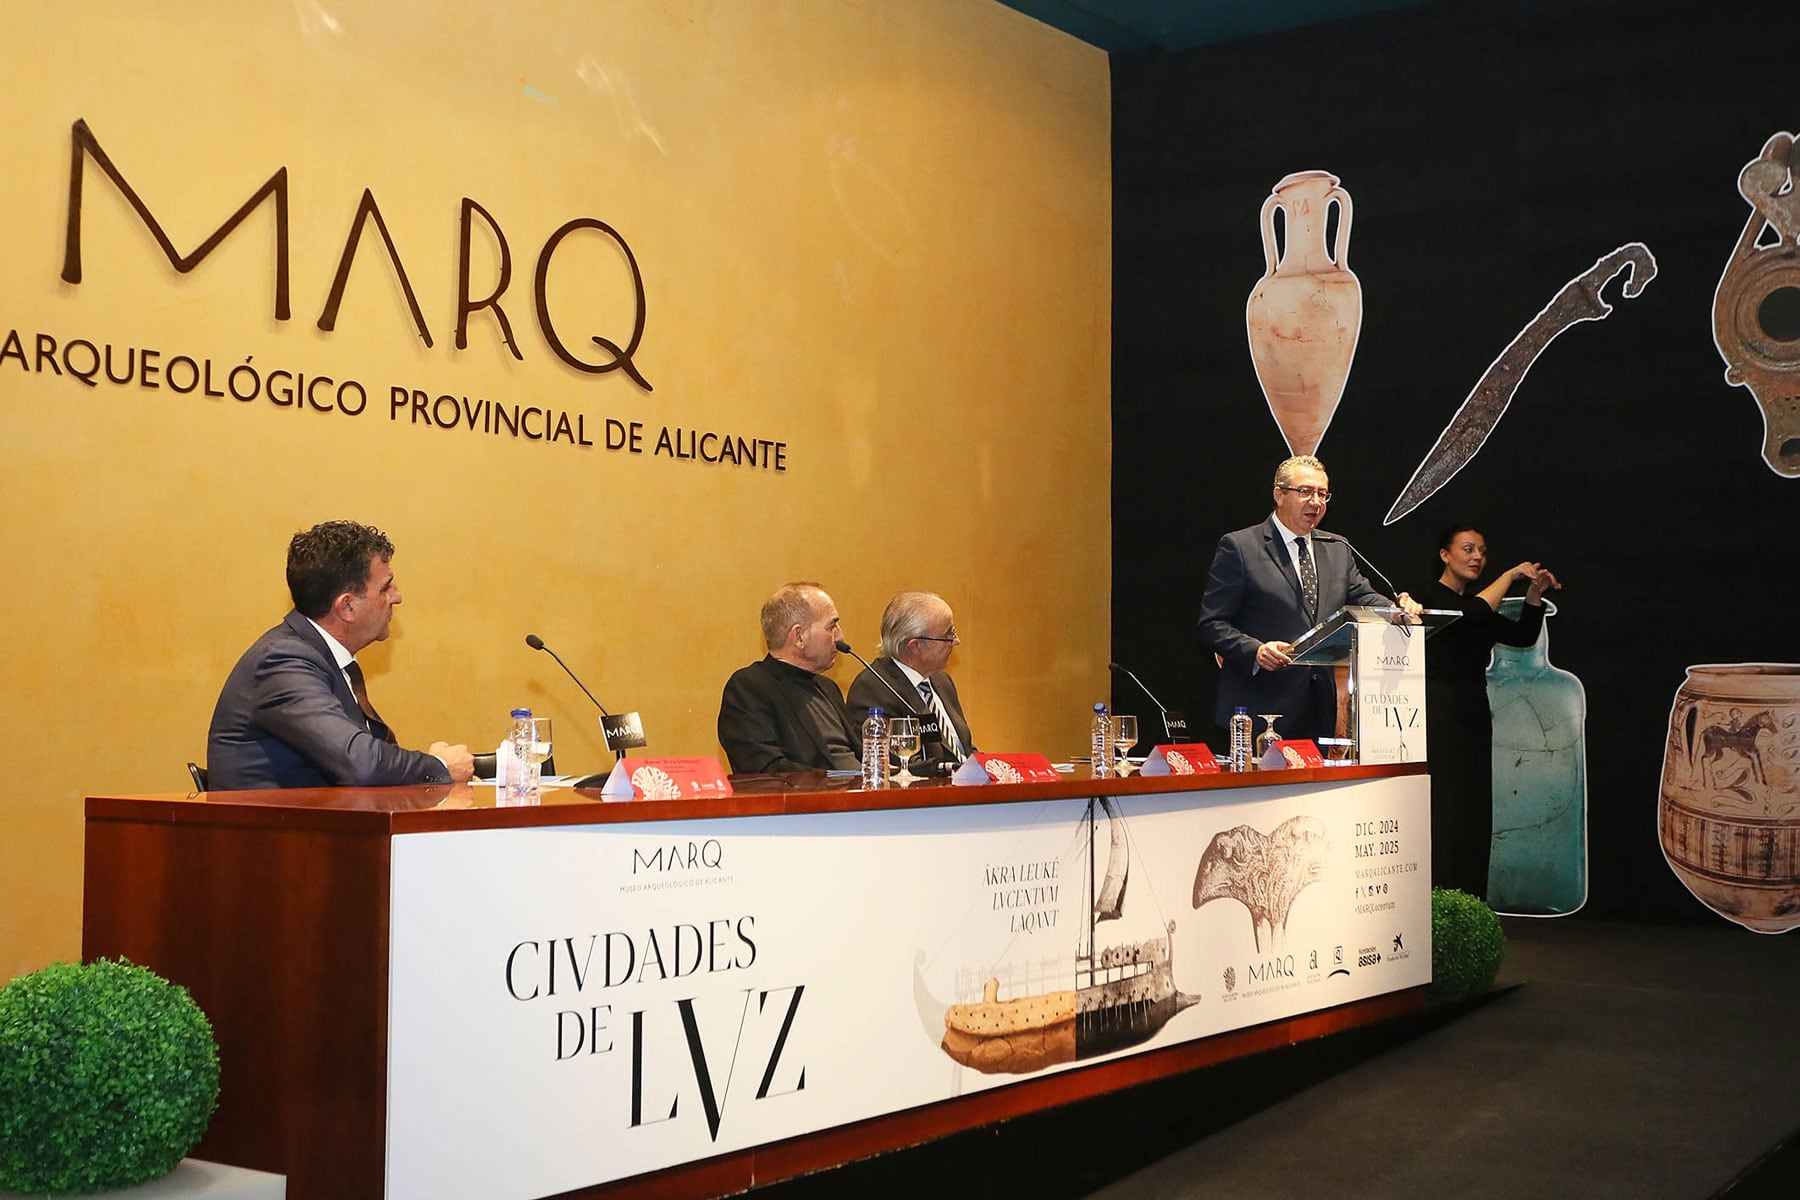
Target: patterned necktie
x=1309, y=578
x=377, y=726
x=943, y=716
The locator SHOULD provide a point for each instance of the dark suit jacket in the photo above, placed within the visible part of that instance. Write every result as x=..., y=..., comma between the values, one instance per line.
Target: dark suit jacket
x=286, y=719
x=1253, y=596
x=866, y=692
x=775, y=717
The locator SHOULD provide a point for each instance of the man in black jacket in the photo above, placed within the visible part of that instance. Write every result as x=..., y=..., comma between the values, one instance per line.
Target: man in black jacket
x=781, y=714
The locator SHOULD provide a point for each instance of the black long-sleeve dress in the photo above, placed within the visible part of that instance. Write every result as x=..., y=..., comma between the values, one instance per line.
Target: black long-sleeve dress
x=1460, y=732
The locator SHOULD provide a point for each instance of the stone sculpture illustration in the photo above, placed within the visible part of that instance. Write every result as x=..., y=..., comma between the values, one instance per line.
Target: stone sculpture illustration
x=1756, y=310
x=1263, y=872
x=1729, y=813
x=1577, y=300
x=1305, y=314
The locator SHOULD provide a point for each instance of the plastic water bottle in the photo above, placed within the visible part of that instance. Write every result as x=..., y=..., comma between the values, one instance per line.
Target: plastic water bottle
x=874, y=749
x=514, y=767
x=1101, y=764
x=1241, y=756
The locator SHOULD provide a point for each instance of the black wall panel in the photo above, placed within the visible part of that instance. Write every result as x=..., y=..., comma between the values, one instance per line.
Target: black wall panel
x=1493, y=151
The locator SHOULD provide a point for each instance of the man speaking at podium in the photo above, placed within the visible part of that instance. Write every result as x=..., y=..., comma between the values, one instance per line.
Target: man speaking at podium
x=295, y=712
x=1269, y=584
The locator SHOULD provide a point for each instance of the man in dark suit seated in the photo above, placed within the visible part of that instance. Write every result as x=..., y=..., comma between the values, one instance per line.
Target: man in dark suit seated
x=781, y=714
x=918, y=632
x=1269, y=584
x=294, y=712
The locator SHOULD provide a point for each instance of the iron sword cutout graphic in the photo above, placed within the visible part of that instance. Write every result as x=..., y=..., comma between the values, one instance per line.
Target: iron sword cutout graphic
x=1577, y=300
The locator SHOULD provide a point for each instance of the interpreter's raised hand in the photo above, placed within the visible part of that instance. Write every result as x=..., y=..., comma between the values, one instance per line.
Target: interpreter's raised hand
x=1272, y=656
x=1525, y=572
x=1542, y=580
x=457, y=758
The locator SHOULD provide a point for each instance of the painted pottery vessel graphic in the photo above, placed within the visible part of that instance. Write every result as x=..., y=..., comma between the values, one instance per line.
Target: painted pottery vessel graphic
x=1729, y=815
x=1756, y=310
x=1305, y=313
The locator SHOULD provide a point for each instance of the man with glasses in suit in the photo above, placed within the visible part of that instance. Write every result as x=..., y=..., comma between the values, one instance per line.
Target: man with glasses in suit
x=918, y=632
x=1269, y=584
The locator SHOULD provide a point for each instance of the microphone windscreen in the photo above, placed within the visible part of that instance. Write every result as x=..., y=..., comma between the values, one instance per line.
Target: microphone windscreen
x=843, y=647
x=534, y=641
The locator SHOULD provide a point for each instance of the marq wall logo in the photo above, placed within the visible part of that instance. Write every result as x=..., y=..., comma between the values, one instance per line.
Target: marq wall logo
x=211, y=377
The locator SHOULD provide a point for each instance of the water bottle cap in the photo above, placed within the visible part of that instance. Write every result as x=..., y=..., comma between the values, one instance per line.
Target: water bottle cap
x=1100, y=708
x=878, y=712
x=520, y=712
x=1243, y=709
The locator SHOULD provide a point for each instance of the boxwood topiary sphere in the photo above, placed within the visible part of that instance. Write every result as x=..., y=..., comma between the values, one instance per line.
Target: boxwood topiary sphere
x=108, y=1076
x=1467, y=942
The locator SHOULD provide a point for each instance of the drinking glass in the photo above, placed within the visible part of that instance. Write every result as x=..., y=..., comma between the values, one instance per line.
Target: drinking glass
x=1268, y=737
x=903, y=736
x=1125, y=736
x=540, y=750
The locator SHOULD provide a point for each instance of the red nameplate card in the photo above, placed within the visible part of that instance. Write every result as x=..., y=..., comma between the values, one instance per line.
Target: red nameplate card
x=666, y=779
x=1298, y=752
x=1005, y=768
x=1182, y=758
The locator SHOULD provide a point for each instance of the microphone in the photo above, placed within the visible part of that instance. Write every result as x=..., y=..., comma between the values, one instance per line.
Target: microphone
x=1393, y=592
x=537, y=643
x=1174, y=721
x=1113, y=666
x=844, y=648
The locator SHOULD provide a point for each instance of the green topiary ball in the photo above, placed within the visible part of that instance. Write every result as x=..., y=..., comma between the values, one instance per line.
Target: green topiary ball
x=108, y=1076
x=1467, y=942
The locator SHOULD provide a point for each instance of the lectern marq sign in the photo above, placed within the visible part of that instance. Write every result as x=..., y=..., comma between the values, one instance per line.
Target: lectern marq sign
x=1385, y=652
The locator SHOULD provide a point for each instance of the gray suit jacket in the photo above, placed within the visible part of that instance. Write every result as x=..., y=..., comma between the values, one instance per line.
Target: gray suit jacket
x=1253, y=596
x=286, y=718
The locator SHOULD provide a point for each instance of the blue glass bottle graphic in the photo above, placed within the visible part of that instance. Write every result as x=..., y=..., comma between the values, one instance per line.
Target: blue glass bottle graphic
x=1539, y=864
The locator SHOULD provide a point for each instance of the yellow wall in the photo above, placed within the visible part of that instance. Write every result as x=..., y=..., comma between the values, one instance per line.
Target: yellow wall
x=878, y=232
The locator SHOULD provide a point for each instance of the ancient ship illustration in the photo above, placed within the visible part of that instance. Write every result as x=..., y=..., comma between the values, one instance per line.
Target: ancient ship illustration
x=1122, y=993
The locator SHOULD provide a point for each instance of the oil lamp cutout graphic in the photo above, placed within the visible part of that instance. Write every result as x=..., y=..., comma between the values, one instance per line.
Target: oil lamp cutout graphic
x=1756, y=311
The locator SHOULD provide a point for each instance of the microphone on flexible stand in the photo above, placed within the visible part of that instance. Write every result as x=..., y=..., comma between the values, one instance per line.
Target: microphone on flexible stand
x=1133, y=677
x=844, y=648
x=1393, y=592
x=537, y=643
x=1174, y=723
x=621, y=731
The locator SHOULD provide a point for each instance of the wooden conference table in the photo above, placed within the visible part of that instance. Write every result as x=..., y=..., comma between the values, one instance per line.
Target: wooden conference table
x=418, y=993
